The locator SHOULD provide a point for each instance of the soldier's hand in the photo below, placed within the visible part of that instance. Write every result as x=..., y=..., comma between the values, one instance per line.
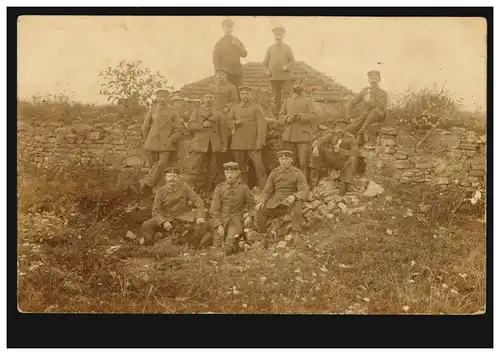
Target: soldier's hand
x=206, y=124
x=200, y=220
x=288, y=119
x=220, y=231
x=248, y=222
x=167, y=226
x=315, y=152
x=235, y=41
x=291, y=199
x=284, y=68
x=223, y=150
x=268, y=73
x=259, y=206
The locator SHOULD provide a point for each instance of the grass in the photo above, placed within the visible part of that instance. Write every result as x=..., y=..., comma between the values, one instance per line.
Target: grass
x=420, y=251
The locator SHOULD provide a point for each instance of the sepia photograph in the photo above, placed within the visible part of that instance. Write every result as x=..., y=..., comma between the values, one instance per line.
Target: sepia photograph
x=238, y=164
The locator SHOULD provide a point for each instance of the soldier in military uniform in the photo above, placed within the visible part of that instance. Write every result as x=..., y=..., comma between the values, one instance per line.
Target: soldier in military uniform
x=231, y=201
x=373, y=102
x=210, y=138
x=278, y=60
x=161, y=128
x=298, y=113
x=286, y=189
x=225, y=94
x=227, y=53
x=171, y=210
x=338, y=150
x=249, y=129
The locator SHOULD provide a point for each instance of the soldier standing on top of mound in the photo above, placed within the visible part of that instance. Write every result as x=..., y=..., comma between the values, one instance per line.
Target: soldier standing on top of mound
x=286, y=189
x=300, y=117
x=161, y=128
x=227, y=53
x=231, y=200
x=338, y=150
x=210, y=138
x=170, y=209
x=373, y=101
x=278, y=59
x=249, y=127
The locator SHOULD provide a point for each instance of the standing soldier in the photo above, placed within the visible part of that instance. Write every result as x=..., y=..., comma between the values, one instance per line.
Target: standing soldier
x=210, y=138
x=231, y=200
x=286, y=189
x=338, y=150
x=171, y=210
x=161, y=128
x=279, y=57
x=249, y=129
x=300, y=125
x=373, y=102
x=227, y=53
x=225, y=94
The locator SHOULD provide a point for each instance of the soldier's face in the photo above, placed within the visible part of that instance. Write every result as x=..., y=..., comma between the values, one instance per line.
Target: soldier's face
x=373, y=80
x=245, y=96
x=208, y=98
x=170, y=178
x=339, y=128
x=161, y=99
x=285, y=162
x=278, y=37
x=220, y=77
x=227, y=29
x=231, y=175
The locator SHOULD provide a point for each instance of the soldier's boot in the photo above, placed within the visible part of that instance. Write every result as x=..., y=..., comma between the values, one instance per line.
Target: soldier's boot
x=297, y=240
x=216, y=241
x=229, y=245
x=265, y=240
x=344, y=186
x=314, y=173
x=205, y=240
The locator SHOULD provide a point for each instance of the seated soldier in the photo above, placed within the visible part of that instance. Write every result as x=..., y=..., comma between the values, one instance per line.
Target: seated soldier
x=373, y=102
x=285, y=189
x=231, y=200
x=170, y=207
x=338, y=150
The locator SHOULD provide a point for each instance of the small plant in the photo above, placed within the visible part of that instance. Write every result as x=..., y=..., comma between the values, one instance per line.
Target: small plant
x=130, y=84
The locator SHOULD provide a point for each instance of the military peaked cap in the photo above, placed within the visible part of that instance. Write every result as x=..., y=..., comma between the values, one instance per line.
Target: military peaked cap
x=285, y=153
x=172, y=170
x=231, y=166
x=227, y=22
x=279, y=29
x=336, y=123
x=374, y=73
x=245, y=88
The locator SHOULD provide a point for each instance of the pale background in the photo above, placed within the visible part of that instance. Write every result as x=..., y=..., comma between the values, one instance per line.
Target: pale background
x=66, y=53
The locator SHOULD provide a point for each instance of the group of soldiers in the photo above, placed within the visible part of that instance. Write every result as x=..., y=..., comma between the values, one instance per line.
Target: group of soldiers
x=228, y=131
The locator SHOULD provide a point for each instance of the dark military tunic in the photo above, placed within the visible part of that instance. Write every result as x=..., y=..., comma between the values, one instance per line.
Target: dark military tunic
x=172, y=202
x=225, y=97
x=250, y=133
x=230, y=201
x=160, y=126
x=282, y=183
x=304, y=128
x=216, y=134
x=378, y=100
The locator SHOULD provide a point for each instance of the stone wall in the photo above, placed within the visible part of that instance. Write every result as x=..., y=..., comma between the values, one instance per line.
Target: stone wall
x=459, y=157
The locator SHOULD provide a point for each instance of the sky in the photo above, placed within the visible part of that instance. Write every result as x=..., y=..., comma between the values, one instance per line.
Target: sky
x=66, y=53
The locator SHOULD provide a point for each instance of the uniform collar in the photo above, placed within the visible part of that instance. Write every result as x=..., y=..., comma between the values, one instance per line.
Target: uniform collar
x=249, y=103
x=234, y=183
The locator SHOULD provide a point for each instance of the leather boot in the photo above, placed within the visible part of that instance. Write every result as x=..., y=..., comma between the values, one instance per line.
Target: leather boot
x=314, y=175
x=297, y=240
x=343, y=188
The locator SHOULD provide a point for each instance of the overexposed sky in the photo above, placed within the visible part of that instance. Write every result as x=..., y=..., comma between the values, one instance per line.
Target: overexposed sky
x=66, y=53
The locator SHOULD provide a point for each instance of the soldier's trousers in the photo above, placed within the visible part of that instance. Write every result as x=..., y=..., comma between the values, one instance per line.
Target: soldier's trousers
x=301, y=153
x=295, y=211
x=235, y=79
x=198, y=162
x=185, y=232
x=281, y=89
x=346, y=165
x=242, y=157
x=159, y=161
x=365, y=122
x=230, y=230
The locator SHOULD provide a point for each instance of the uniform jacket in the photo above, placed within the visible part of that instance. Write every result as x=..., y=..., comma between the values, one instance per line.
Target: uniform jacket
x=276, y=56
x=250, y=132
x=346, y=142
x=172, y=202
x=226, y=96
x=160, y=127
x=282, y=183
x=304, y=127
x=216, y=134
x=378, y=100
x=227, y=55
x=229, y=202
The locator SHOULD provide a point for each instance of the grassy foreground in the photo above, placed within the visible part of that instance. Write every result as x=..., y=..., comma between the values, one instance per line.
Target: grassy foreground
x=414, y=250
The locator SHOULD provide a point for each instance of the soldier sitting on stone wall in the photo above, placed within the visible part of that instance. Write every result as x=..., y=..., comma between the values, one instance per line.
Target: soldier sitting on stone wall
x=286, y=189
x=171, y=212
x=231, y=200
x=337, y=150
